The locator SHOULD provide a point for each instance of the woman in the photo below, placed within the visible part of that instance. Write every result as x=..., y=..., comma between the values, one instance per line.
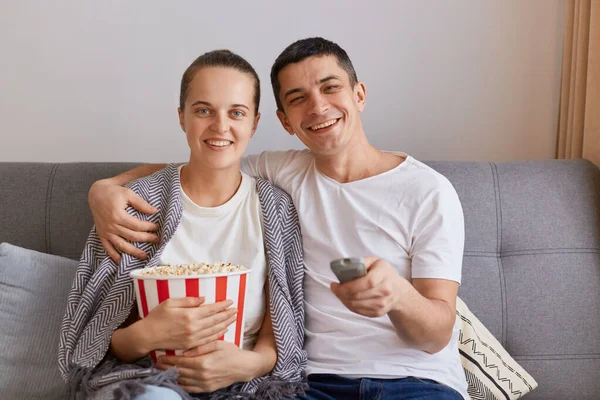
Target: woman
x=208, y=211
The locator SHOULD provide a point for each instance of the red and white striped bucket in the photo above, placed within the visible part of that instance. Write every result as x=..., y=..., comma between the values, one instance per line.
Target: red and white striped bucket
x=150, y=291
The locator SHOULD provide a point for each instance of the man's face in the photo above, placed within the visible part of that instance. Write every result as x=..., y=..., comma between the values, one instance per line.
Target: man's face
x=319, y=104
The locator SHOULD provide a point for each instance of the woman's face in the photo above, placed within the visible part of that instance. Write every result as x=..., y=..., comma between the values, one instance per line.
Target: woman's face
x=218, y=117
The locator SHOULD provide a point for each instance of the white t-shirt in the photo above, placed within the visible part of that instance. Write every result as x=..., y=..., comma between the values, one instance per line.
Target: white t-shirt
x=410, y=216
x=231, y=232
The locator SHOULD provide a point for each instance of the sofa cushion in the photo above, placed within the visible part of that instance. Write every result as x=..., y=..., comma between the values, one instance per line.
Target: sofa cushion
x=491, y=372
x=33, y=295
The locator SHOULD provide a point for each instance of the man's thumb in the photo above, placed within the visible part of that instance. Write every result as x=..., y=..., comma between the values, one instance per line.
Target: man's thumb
x=369, y=261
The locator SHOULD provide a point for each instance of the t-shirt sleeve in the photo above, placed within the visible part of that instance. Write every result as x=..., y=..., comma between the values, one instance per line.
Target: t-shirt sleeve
x=251, y=166
x=273, y=166
x=439, y=236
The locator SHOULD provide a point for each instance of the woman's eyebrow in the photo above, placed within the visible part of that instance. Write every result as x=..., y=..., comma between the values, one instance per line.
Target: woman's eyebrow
x=201, y=102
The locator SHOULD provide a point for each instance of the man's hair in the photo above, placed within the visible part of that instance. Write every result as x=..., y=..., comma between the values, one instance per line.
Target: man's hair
x=218, y=58
x=301, y=50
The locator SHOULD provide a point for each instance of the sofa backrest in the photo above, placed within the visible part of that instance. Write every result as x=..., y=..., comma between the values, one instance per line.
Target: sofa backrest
x=531, y=269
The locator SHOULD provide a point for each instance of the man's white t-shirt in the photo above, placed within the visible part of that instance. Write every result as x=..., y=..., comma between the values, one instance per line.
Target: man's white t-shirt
x=411, y=216
x=231, y=232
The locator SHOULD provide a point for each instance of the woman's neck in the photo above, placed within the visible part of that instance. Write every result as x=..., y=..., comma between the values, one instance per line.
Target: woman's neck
x=208, y=187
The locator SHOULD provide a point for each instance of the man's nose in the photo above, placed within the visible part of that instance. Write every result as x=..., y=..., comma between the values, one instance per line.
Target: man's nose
x=318, y=104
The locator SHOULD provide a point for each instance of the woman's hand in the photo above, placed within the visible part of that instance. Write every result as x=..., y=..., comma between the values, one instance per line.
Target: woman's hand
x=213, y=366
x=218, y=364
x=114, y=226
x=182, y=324
x=175, y=324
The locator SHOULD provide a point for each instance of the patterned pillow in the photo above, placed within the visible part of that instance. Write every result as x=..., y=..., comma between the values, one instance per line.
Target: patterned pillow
x=491, y=372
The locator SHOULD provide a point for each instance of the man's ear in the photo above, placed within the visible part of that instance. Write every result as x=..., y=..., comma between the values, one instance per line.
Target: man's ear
x=180, y=113
x=360, y=95
x=256, y=119
x=285, y=123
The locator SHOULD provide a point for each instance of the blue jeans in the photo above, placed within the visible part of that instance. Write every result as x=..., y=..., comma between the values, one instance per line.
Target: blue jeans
x=158, y=393
x=333, y=387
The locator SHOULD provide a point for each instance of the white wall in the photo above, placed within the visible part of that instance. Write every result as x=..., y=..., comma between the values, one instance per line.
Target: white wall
x=446, y=80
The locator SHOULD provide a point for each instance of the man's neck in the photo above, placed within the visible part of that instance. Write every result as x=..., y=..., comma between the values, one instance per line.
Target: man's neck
x=357, y=161
x=207, y=187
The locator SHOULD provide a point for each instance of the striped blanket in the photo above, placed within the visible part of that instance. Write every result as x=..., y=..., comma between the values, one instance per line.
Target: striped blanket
x=103, y=295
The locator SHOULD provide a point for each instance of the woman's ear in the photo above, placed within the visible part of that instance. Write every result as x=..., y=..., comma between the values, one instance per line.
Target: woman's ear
x=180, y=113
x=256, y=119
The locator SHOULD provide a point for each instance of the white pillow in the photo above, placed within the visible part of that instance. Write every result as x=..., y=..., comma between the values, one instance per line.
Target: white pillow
x=491, y=372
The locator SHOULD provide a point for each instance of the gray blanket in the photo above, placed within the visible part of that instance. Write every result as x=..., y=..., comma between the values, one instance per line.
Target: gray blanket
x=102, y=297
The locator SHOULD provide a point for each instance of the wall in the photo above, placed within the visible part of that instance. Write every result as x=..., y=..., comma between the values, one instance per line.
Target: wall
x=459, y=80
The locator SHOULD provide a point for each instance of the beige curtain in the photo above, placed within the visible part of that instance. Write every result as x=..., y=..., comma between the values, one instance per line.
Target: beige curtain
x=579, y=118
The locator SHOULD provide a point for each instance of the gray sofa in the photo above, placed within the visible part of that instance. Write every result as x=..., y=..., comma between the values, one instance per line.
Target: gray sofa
x=531, y=267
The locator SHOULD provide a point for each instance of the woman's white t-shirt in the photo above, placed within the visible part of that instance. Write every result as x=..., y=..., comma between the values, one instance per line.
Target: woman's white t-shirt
x=232, y=232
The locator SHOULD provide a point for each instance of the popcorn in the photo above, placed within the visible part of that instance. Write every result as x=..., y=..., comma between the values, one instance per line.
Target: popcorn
x=214, y=282
x=192, y=269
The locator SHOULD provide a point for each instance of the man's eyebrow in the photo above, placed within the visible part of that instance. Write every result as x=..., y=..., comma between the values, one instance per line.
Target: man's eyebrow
x=320, y=81
x=329, y=77
x=240, y=106
x=292, y=91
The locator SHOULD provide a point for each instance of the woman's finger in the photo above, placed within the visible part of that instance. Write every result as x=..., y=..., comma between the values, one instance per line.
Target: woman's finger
x=203, y=349
x=163, y=367
x=209, y=310
x=183, y=381
x=193, y=389
x=210, y=330
x=189, y=374
x=182, y=302
x=216, y=322
x=194, y=353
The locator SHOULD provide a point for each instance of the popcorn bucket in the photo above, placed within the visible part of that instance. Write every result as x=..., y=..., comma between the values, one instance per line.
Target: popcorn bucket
x=151, y=290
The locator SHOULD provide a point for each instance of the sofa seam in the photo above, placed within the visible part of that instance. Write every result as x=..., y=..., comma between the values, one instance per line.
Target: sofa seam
x=553, y=357
x=532, y=252
x=534, y=249
x=537, y=253
x=496, y=201
x=48, y=201
x=503, y=298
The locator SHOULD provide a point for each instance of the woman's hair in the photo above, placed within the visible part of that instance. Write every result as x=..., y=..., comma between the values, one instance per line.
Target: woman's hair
x=219, y=58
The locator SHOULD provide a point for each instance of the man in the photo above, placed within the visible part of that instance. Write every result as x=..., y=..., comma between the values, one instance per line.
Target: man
x=390, y=334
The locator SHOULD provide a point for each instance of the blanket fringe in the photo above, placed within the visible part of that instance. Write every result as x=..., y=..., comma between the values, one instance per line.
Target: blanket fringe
x=127, y=390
